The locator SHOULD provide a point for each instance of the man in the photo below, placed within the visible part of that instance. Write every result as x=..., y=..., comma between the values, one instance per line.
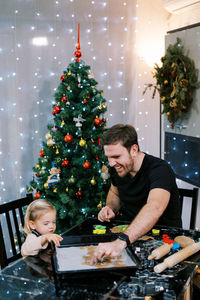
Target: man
x=144, y=184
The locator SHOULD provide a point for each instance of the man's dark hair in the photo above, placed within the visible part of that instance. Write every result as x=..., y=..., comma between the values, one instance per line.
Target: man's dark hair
x=119, y=133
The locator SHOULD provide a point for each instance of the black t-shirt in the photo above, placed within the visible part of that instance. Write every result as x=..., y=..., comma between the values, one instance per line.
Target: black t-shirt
x=133, y=191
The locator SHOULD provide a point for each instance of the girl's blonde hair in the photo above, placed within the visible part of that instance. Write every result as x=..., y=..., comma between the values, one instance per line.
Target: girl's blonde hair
x=35, y=210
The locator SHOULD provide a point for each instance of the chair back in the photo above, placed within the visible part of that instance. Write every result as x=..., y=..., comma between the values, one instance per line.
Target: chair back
x=193, y=194
x=11, y=222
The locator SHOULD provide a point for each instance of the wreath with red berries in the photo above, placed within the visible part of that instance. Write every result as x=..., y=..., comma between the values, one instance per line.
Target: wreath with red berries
x=176, y=81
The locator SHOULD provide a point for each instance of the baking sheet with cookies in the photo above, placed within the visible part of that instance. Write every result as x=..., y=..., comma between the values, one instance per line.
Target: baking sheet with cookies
x=77, y=258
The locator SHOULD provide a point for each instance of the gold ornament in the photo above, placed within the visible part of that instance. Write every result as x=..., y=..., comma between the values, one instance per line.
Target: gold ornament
x=37, y=166
x=50, y=142
x=46, y=185
x=48, y=136
x=62, y=123
x=100, y=107
x=163, y=98
x=55, y=190
x=90, y=75
x=100, y=205
x=166, y=82
x=92, y=181
x=57, y=151
x=104, y=105
x=168, y=113
x=67, y=189
x=68, y=88
x=82, y=142
x=69, y=73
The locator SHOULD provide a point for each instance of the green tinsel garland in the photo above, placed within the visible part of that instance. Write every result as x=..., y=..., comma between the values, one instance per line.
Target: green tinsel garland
x=176, y=80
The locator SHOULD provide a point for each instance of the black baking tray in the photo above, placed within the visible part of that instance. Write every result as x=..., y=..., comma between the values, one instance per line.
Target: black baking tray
x=83, y=232
x=89, y=277
x=129, y=253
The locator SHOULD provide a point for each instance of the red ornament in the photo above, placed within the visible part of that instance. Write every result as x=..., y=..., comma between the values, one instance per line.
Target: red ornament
x=88, y=96
x=41, y=153
x=96, y=157
x=104, y=120
x=84, y=101
x=79, y=194
x=97, y=121
x=37, y=195
x=92, y=141
x=37, y=175
x=86, y=165
x=57, y=109
x=68, y=138
x=63, y=98
x=62, y=77
x=65, y=163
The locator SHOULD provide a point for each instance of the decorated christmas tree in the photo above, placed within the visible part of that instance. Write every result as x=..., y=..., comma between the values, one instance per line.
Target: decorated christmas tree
x=72, y=170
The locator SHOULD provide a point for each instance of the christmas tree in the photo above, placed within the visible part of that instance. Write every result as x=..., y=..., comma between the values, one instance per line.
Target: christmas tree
x=72, y=170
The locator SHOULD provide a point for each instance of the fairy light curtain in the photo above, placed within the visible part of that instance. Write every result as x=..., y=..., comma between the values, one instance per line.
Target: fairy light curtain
x=38, y=40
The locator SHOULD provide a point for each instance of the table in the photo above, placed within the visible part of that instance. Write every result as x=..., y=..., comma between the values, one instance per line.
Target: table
x=32, y=277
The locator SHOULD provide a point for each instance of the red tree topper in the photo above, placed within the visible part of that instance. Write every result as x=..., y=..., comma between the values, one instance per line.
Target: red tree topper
x=78, y=53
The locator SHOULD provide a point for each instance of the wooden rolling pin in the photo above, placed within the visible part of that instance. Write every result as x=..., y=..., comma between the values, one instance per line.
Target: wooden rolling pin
x=183, y=240
x=177, y=257
x=160, y=251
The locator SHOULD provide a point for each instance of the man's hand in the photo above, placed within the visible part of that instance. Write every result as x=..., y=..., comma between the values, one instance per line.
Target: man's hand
x=111, y=249
x=105, y=214
x=51, y=237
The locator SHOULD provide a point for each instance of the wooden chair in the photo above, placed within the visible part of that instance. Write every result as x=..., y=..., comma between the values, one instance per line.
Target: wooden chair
x=193, y=194
x=11, y=238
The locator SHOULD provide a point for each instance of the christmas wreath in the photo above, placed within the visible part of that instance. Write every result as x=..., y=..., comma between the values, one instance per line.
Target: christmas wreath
x=176, y=80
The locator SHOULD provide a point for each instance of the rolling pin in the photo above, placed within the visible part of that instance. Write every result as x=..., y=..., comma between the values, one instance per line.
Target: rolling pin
x=177, y=257
x=160, y=251
x=183, y=240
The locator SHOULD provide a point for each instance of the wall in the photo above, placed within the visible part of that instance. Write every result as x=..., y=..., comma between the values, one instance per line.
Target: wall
x=191, y=41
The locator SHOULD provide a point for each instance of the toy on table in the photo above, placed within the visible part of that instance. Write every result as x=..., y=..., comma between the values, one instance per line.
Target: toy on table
x=119, y=228
x=155, y=232
x=99, y=229
x=177, y=257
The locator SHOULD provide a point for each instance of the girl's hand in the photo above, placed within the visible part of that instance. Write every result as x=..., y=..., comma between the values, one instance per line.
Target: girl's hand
x=51, y=237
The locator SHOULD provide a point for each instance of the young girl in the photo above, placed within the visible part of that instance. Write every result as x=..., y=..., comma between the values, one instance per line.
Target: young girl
x=40, y=224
